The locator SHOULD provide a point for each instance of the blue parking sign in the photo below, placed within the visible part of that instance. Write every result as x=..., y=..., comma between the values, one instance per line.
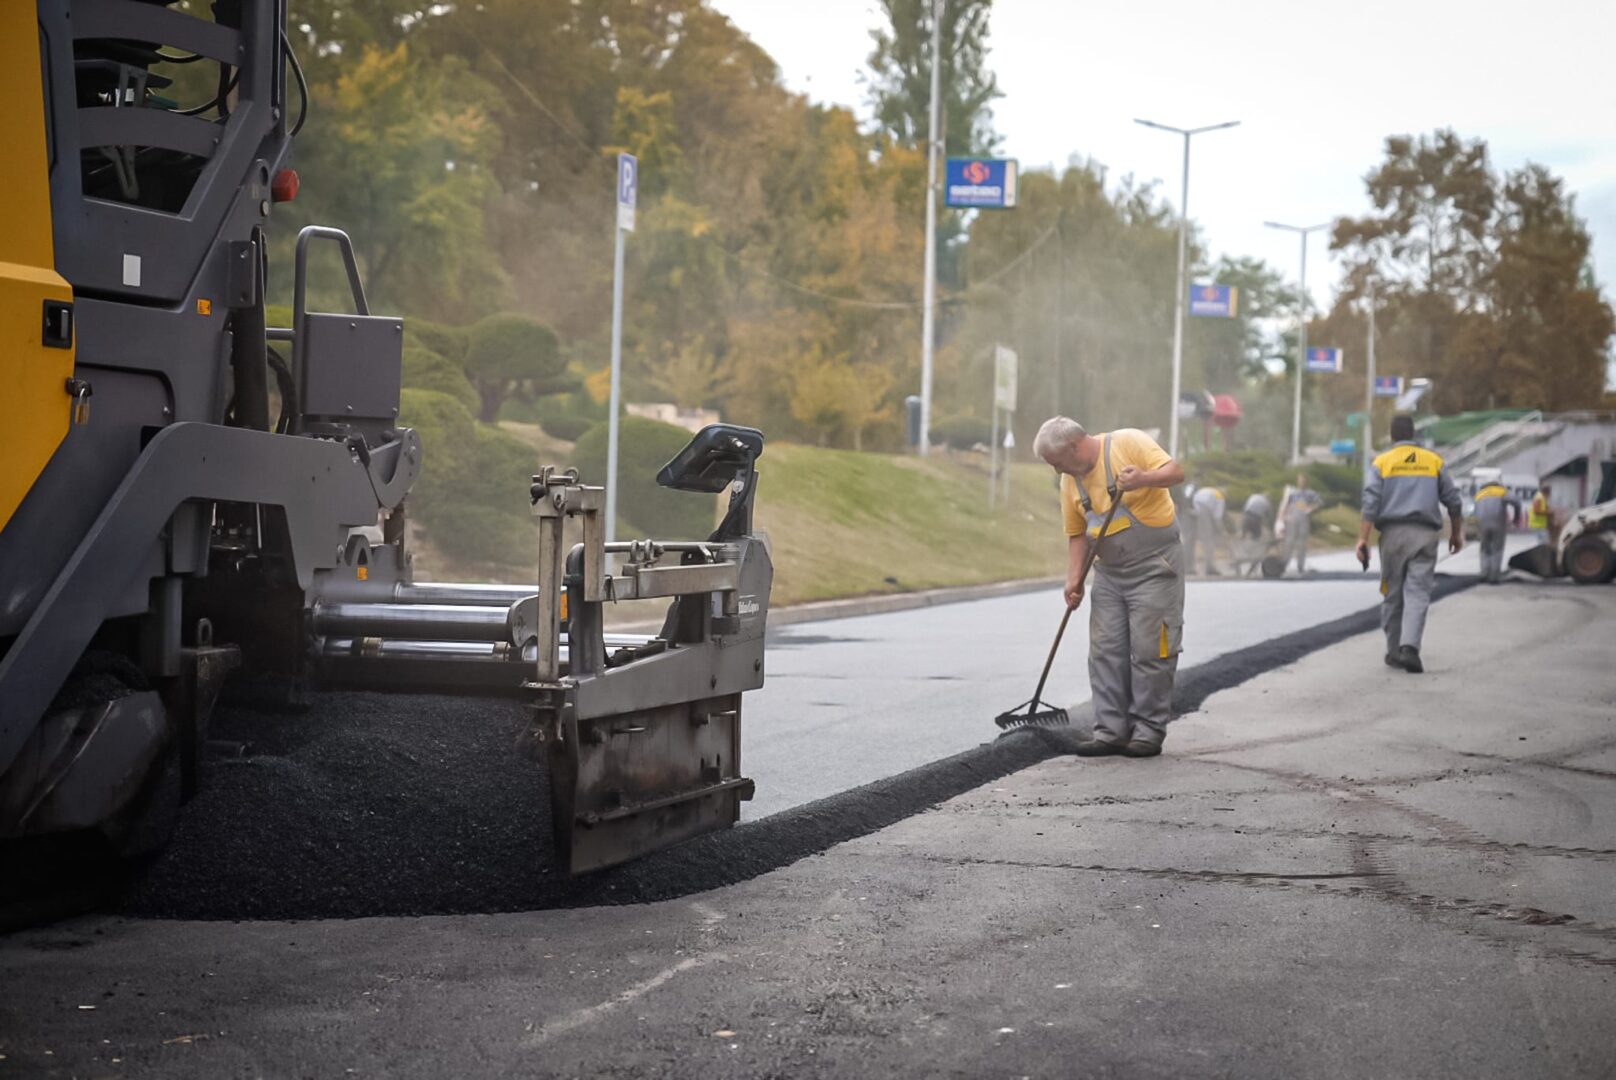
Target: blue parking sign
x=628, y=190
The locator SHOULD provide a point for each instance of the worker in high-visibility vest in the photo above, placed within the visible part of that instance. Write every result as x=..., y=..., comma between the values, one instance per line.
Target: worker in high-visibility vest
x=1491, y=522
x=1537, y=519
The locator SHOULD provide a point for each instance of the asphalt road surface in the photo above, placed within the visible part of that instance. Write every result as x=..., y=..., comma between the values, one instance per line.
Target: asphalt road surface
x=855, y=700
x=1337, y=870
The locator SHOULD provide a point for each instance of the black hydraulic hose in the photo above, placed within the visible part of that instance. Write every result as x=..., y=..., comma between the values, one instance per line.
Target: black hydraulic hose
x=302, y=85
x=247, y=366
x=288, y=389
x=220, y=102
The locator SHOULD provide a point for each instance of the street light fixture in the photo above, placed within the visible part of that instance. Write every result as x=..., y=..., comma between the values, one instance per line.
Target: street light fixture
x=1301, y=348
x=1182, y=285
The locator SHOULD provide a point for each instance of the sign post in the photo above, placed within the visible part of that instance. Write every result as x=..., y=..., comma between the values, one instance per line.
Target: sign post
x=1004, y=397
x=628, y=188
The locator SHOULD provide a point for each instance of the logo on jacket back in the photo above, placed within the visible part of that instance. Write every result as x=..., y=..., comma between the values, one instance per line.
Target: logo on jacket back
x=1415, y=462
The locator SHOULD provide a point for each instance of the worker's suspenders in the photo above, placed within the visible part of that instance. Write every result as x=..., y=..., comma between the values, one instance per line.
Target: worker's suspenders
x=1130, y=539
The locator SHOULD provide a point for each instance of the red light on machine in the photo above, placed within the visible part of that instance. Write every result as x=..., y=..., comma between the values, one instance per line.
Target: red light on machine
x=285, y=186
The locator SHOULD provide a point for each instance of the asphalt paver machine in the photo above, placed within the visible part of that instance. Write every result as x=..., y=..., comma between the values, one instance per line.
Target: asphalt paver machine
x=161, y=532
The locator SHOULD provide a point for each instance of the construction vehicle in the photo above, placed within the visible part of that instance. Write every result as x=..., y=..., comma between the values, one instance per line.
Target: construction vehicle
x=161, y=532
x=1585, y=546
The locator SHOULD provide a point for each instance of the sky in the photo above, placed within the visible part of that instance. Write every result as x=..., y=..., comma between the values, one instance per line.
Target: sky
x=1316, y=89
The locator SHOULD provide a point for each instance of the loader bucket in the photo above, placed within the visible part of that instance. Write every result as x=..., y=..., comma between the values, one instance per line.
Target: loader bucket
x=1537, y=560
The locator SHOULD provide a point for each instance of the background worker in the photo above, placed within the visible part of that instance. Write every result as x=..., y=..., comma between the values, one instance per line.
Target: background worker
x=1254, y=517
x=1407, y=490
x=1537, y=518
x=1253, y=533
x=1297, y=514
x=1136, y=612
x=1209, y=506
x=1492, y=523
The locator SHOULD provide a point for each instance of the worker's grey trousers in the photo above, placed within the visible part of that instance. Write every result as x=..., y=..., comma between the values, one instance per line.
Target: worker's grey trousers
x=1136, y=623
x=1298, y=527
x=1492, y=553
x=1207, y=527
x=1407, y=578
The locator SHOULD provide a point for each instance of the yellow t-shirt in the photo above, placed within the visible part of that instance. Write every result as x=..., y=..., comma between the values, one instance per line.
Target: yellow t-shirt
x=1152, y=506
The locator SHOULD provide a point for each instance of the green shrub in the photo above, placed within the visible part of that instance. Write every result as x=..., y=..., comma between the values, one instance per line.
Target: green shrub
x=1240, y=472
x=567, y=428
x=643, y=508
x=1337, y=485
x=447, y=341
x=427, y=370
x=962, y=432
x=471, y=497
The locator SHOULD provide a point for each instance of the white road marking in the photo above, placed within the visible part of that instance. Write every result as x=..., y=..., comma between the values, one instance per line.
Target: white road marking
x=574, y=1020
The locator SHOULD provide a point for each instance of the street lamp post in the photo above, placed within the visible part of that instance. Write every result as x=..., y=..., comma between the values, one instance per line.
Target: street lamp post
x=929, y=296
x=1301, y=348
x=1181, y=286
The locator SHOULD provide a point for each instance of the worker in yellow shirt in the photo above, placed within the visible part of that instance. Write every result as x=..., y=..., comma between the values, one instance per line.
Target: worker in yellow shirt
x=1540, y=517
x=1136, y=616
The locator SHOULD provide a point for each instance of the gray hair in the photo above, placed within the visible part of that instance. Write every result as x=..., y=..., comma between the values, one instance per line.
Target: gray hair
x=1056, y=432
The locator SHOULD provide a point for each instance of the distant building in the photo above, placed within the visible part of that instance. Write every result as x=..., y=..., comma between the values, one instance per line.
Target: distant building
x=691, y=420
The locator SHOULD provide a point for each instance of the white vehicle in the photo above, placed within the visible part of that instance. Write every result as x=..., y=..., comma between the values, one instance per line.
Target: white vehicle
x=1586, y=549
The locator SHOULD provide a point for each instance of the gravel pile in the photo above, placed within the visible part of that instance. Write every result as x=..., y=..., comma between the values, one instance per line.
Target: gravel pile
x=366, y=804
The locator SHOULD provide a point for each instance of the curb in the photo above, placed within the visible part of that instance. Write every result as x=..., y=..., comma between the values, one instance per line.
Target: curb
x=877, y=604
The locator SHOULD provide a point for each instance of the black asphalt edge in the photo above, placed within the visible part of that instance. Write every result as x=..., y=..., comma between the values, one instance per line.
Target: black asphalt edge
x=755, y=848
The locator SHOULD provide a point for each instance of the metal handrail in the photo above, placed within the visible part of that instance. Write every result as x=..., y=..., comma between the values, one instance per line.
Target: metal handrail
x=308, y=234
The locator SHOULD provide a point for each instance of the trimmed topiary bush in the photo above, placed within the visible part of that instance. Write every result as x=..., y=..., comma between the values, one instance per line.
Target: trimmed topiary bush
x=567, y=428
x=427, y=370
x=961, y=432
x=471, y=497
x=643, y=508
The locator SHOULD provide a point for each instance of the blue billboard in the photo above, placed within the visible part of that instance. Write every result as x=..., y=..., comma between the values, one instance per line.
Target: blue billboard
x=1214, y=301
x=1324, y=360
x=1388, y=385
x=980, y=183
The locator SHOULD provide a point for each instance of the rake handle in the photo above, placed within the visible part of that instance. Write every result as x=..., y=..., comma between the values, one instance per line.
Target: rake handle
x=1088, y=564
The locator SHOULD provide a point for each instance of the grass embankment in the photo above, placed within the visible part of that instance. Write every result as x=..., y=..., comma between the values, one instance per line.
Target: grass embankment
x=842, y=523
x=848, y=524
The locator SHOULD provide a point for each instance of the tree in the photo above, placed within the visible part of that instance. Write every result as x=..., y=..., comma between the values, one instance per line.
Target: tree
x=510, y=355
x=900, y=74
x=1481, y=279
x=396, y=152
x=691, y=376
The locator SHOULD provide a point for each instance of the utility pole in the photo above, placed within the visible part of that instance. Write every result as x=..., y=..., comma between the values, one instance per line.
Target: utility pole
x=929, y=303
x=1369, y=387
x=1301, y=348
x=1181, y=285
x=1060, y=306
x=628, y=187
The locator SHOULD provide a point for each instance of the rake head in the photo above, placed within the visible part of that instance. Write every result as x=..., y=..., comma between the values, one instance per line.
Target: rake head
x=1038, y=714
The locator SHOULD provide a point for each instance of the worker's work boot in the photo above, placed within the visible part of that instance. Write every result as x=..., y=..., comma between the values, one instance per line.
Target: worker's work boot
x=1393, y=660
x=1097, y=748
x=1408, y=658
x=1142, y=748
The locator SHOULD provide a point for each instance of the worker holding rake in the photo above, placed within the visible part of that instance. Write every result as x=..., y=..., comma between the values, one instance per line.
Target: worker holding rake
x=1116, y=484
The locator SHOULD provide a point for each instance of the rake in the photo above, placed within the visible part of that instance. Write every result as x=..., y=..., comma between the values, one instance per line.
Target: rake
x=1040, y=713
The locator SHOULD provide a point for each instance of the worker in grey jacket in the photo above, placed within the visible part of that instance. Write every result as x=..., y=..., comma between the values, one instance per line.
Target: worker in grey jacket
x=1209, y=505
x=1407, y=490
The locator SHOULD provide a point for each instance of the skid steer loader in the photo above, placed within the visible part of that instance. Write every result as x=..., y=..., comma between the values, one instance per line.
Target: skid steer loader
x=160, y=530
